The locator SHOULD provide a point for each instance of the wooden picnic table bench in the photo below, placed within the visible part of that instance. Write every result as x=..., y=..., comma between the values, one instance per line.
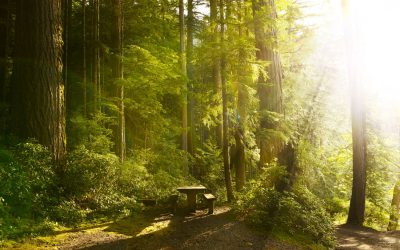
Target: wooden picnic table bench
x=191, y=192
x=210, y=198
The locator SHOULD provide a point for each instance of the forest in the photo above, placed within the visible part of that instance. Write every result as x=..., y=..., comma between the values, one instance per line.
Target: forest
x=285, y=111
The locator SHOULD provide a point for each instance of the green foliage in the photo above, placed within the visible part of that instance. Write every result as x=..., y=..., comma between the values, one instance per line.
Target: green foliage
x=69, y=213
x=28, y=190
x=208, y=162
x=28, y=183
x=89, y=175
x=92, y=133
x=297, y=212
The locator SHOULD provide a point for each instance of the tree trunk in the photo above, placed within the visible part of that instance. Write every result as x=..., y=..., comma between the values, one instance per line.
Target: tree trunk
x=287, y=158
x=357, y=202
x=67, y=15
x=4, y=43
x=189, y=55
x=96, y=55
x=270, y=87
x=216, y=66
x=225, y=126
x=395, y=208
x=118, y=76
x=183, y=68
x=242, y=102
x=84, y=66
x=239, y=160
x=38, y=90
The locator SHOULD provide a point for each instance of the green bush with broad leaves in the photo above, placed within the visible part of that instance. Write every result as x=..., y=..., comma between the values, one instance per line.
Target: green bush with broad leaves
x=29, y=189
x=298, y=212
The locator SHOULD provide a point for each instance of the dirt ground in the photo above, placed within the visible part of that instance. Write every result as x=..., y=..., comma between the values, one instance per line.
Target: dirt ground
x=194, y=231
x=366, y=238
x=156, y=230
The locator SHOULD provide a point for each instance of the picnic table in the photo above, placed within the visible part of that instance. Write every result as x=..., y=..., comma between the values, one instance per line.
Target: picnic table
x=191, y=192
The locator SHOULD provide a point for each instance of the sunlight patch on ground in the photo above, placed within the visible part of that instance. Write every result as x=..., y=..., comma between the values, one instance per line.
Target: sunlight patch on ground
x=154, y=227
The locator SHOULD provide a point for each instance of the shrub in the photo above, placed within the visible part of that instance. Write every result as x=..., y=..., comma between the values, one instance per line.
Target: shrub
x=297, y=212
x=28, y=183
x=90, y=174
x=69, y=213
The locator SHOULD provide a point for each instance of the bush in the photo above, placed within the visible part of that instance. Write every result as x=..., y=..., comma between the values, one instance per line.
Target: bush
x=93, y=187
x=135, y=180
x=28, y=183
x=90, y=174
x=297, y=212
x=69, y=213
x=28, y=190
x=208, y=162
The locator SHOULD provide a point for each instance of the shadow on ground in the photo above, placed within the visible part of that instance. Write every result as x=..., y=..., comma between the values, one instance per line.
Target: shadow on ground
x=166, y=231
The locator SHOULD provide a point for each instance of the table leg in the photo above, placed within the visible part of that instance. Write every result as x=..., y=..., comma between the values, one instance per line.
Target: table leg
x=191, y=198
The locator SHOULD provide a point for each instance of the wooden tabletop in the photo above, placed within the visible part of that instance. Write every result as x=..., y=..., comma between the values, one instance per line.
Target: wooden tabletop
x=198, y=187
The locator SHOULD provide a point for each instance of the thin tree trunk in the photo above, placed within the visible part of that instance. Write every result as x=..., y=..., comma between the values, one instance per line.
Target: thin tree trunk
x=96, y=55
x=269, y=88
x=84, y=66
x=38, y=90
x=395, y=208
x=118, y=75
x=225, y=125
x=183, y=68
x=216, y=66
x=189, y=56
x=242, y=102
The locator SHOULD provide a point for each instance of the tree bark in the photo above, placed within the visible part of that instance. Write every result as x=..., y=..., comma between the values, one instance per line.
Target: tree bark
x=96, y=55
x=216, y=66
x=84, y=64
x=183, y=69
x=225, y=126
x=239, y=160
x=189, y=56
x=269, y=87
x=38, y=90
x=357, y=202
x=118, y=76
x=395, y=208
x=242, y=102
x=4, y=43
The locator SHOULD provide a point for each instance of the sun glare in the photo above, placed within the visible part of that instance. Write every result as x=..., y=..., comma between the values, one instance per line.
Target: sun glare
x=377, y=27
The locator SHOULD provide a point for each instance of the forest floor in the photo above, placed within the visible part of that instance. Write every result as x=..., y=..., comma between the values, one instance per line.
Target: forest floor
x=156, y=230
x=366, y=238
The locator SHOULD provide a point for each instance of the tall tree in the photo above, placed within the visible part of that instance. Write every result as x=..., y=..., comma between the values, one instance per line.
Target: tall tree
x=190, y=73
x=96, y=55
x=225, y=125
x=4, y=44
x=117, y=71
x=216, y=71
x=357, y=202
x=84, y=64
x=269, y=80
x=38, y=90
x=242, y=101
x=182, y=57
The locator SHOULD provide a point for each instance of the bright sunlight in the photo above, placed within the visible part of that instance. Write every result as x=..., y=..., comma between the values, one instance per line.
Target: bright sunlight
x=379, y=38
